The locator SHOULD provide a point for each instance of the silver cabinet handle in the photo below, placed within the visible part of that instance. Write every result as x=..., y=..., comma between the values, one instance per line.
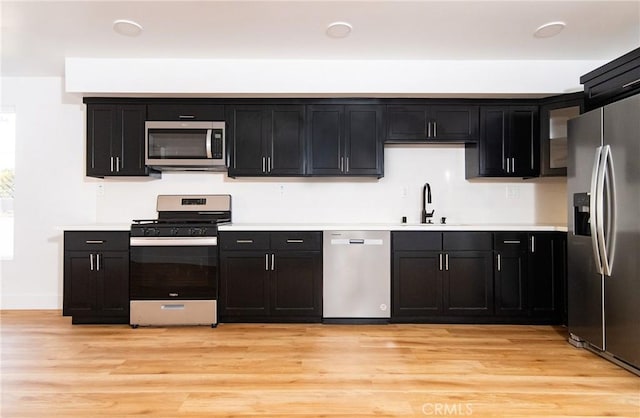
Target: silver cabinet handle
x=624, y=86
x=97, y=262
x=295, y=241
x=508, y=165
x=499, y=262
x=428, y=129
x=112, y=164
x=440, y=257
x=511, y=241
x=342, y=164
x=91, y=261
x=97, y=241
x=186, y=117
x=117, y=164
x=533, y=244
x=347, y=164
x=446, y=262
x=269, y=167
x=513, y=164
x=264, y=164
x=435, y=129
x=244, y=241
x=266, y=262
x=273, y=262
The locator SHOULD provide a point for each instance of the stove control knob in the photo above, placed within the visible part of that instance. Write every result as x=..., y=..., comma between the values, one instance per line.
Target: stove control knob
x=174, y=231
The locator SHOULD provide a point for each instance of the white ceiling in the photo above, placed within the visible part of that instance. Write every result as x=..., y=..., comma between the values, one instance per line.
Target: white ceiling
x=37, y=35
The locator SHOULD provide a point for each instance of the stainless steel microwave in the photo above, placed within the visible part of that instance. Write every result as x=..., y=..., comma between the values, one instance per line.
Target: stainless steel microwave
x=185, y=145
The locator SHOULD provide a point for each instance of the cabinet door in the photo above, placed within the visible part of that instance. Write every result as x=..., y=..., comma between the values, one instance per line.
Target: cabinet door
x=115, y=140
x=524, y=141
x=130, y=141
x=468, y=283
x=493, y=141
x=417, y=283
x=113, y=289
x=185, y=111
x=547, y=272
x=406, y=123
x=296, y=284
x=325, y=138
x=511, y=283
x=244, y=284
x=285, y=140
x=80, y=283
x=101, y=131
x=454, y=123
x=364, y=142
x=246, y=141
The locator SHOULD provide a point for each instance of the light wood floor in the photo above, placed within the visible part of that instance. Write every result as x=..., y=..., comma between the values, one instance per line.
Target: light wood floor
x=51, y=368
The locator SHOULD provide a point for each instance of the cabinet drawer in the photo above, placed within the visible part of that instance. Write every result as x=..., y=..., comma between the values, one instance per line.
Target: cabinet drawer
x=96, y=241
x=244, y=240
x=467, y=241
x=296, y=240
x=416, y=241
x=510, y=241
x=186, y=112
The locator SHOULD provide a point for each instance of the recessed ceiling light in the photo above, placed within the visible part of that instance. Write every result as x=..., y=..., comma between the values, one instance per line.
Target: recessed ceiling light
x=549, y=29
x=127, y=27
x=339, y=29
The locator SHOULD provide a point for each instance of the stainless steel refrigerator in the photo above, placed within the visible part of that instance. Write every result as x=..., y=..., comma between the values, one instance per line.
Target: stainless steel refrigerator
x=603, y=184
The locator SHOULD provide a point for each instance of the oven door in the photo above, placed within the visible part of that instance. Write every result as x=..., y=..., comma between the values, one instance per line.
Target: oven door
x=173, y=268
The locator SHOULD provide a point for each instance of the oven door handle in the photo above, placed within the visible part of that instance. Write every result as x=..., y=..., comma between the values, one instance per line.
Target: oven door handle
x=173, y=242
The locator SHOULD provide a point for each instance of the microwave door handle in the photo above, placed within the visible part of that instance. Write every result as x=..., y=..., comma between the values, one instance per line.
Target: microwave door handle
x=208, y=144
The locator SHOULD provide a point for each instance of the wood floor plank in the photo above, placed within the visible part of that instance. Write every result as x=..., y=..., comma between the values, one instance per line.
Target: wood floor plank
x=51, y=368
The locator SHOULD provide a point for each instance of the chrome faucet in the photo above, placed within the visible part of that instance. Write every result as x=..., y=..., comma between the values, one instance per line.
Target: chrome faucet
x=426, y=199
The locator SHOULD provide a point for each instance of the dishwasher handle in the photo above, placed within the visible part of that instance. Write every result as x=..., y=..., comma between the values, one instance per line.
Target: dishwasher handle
x=356, y=241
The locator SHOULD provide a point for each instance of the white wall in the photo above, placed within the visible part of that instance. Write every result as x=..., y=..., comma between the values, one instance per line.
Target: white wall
x=51, y=190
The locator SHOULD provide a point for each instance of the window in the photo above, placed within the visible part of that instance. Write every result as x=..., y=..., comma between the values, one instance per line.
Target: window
x=7, y=175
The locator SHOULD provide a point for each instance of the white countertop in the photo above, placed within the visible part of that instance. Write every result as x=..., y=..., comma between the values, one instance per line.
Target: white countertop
x=389, y=227
x=339, y=227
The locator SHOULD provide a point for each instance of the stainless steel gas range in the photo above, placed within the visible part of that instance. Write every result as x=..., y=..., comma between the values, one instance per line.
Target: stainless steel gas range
x=174, y=261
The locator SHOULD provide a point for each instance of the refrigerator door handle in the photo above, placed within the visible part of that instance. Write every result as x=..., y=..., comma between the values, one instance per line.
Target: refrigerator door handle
x=593, y=210
x=606, y=237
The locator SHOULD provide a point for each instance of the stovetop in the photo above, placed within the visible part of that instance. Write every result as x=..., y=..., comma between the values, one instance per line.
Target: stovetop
x=174, y=228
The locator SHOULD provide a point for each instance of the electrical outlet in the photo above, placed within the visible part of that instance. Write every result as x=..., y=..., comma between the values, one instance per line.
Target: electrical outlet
x=100, y=190
x=513, y=193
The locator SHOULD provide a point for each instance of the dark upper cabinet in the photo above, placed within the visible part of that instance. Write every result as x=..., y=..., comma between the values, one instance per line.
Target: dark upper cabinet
x=508, y=145
x=265, y=140
x=431, y=123
x=115, y=140
x=554, y=115
x=185, y=112
x=345, y=140
x=96, y=276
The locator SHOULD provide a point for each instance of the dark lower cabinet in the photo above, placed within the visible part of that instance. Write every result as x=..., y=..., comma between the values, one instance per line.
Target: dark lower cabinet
x=270, y=276
x=437, y=276
x=547, y=270
x=471, y=277
x=96, y=277
x=468, y=283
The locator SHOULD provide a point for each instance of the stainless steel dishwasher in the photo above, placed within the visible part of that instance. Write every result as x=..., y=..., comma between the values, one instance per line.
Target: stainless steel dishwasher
x=356, y=275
